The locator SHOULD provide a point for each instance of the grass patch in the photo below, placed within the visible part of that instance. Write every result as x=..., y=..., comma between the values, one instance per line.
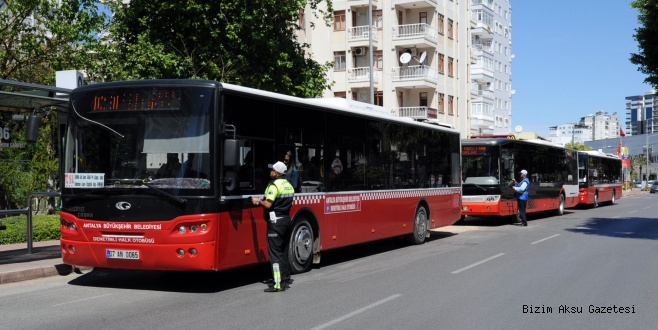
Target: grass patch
x=44, y=228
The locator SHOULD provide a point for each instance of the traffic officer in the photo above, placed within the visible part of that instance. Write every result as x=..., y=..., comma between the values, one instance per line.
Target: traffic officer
x=278, y=199
x=522, y=188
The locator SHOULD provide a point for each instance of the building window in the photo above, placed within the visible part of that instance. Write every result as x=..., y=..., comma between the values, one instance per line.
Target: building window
x=342, y=95
x=379, y=99
x=441, y=24
x=339, y=61
x=451, y=110
x=441, y=109
x=441, y=63
x=450, y=67
x=422, y=17
x=450, y=29
x=302, y=19
x=339, y=20
x=423, y=99
x=378, y=60
x=378, y=16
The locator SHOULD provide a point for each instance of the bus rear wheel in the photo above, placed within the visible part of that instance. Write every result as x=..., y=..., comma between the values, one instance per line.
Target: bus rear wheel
x=300, y=252
x=420, y=227
x=596, y=200
x=612, y=201
x=560, y=208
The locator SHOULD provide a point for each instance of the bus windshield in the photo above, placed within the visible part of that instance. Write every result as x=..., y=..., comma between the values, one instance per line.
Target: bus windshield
x=140, y=138
x=481, y=169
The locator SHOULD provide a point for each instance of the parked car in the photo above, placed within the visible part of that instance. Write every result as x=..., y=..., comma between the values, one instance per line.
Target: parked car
x=654, y=187
x=638, y=184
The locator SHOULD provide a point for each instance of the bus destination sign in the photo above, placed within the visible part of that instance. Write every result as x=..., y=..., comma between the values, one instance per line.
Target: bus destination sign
x=137, y=100
x=474, y=150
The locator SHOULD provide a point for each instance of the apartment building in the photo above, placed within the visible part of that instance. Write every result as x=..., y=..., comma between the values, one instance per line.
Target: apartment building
x=640, y=113
x=602, y=125
x=570, y=132
x=431, y=83
x=491, y=71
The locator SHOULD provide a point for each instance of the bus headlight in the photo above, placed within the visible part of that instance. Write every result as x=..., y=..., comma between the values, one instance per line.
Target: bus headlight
x=193, y=228
x=182, y=230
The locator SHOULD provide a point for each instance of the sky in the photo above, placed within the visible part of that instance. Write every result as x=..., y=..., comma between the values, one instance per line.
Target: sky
x=572, y=60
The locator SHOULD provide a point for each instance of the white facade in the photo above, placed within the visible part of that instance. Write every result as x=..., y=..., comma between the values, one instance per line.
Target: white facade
x=491, y=71
x=567, y=133
x=435, y=86
x=602, y=125
x=640, y=112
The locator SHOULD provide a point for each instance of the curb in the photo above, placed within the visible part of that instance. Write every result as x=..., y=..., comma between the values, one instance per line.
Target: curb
x=40, y=272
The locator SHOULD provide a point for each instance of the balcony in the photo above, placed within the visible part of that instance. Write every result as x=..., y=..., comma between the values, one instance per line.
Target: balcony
x=361, y=75
x=478, y=49
x=486, y=3
x=414, y=4
x=358, y=36
x=415, y=76
x=481, y=74
x=474, y=59
x=361, y=3
x=416, y=112
x=418, y=35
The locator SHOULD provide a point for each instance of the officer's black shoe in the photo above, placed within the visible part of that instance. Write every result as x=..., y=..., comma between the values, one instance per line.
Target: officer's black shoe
x=270, y=283
x=273, y=289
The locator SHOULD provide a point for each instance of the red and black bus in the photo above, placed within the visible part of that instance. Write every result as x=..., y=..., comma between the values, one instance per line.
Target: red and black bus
x=599, y=178
x=159, y=174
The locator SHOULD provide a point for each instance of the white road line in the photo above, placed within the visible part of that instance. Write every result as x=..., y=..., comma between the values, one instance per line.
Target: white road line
x=478, y=263
x=356, y=312
x=543, y=239
x=616, y=216
x=83, y=299
x=648, y=207
x=632, y=212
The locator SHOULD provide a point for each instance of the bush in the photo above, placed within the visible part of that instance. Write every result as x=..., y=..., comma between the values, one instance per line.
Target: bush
x=44, y=228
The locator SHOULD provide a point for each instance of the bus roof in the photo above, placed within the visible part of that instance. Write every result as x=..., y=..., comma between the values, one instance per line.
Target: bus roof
x=598, y=153
x=503, y=141
x=330, y=104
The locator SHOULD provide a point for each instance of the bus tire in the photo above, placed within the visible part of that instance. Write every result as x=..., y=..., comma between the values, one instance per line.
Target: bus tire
x=614, y=197
x=300, y=251
x=560, y=207
x=596, y=200
x=420, y=227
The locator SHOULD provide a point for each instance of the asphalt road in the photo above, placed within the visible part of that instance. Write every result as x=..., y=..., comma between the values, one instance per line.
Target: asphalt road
x=480, y=275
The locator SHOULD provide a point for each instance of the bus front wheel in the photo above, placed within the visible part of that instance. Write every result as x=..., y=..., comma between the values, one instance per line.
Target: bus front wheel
x=300, y=252
x=420, y=227
x=560, y=207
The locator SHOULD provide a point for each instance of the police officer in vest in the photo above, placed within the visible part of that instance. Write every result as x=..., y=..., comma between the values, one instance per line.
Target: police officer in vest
x=277, y=202
x=521, y=189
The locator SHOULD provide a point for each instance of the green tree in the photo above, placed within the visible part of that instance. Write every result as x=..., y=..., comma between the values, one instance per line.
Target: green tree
x=577, y=146
x=40, y=37
x=647, y=38
x=637, y=161
x=244, y=42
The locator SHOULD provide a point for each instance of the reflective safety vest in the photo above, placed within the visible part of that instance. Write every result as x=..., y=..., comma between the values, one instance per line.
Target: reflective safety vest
x=524, y=195
x=281, y=193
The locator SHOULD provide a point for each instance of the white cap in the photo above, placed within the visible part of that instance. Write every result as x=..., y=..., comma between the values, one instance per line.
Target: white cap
x=279, y=167
x=524, y=172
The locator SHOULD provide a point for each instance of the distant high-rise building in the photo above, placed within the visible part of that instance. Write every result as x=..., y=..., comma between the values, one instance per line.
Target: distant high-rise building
x=602, y=125
x=639, y=114
x=491, y=67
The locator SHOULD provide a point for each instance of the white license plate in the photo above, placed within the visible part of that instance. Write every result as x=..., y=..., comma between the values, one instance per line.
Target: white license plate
x=122, y=254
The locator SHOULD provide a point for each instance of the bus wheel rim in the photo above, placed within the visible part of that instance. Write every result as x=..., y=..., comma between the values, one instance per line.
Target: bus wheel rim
x=421, y=222
x=302, y=244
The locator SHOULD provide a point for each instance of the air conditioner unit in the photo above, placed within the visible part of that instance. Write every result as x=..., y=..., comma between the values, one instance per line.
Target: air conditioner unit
x=359, y=51
x=412, y=51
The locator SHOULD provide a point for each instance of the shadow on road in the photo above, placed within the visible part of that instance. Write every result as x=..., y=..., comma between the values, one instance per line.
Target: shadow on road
x=212, y=282
x=503, y=221
x=637, y=228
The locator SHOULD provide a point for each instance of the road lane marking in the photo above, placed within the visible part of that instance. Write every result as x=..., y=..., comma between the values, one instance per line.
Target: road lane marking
x=543, y=239
x=632, y=212
x=83, y=299
x=616, y=216
x=356, y=312
x=648, y=207
x=477, y=263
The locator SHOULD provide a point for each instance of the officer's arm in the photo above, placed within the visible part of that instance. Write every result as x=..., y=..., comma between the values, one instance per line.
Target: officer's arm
x=267, y=203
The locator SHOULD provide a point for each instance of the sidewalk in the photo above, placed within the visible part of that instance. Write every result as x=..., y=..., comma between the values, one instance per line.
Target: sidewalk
x=633, y=192
x=46, y=260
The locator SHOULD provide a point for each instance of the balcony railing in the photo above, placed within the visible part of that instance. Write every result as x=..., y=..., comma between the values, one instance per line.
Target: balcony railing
x=484, y=47
x=416, y=72
x=480, y=70
x=417, y=112
x=359, y=33
x=420, y=30
x=487, y=3
x=361, y=74
x=486, y=94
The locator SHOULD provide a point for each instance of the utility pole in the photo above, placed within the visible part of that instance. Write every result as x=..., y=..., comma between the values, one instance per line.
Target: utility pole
x=370, y=59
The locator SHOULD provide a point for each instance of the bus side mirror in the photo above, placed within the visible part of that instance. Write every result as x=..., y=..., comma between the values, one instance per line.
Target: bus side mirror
x=32, y=128
x=231, y=153
x=506, y=163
